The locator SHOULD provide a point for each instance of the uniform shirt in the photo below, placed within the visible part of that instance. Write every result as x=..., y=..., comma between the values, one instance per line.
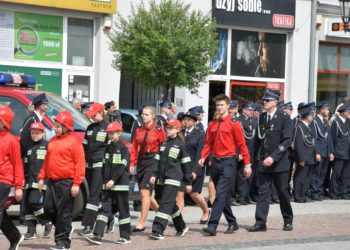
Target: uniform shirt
x=95, y=143
x=249, y=129
x=155, y=137
x=340, y=135
x=26, y=140
x=173, y=163
x=223, y=138
x=11, y=167
x=64, y=160
x=305, y=144
x=194, y=144
x=273, y=139
x=116, y=162
x=33, y=162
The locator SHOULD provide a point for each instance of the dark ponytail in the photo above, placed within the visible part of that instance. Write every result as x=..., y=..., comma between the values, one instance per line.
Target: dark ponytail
x=181, y=137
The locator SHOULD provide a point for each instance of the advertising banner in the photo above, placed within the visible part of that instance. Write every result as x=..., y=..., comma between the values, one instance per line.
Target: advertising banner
x=38, y=37
x=258, y=54
x=267, y=14
x=46, y=79
x=98, y=6
x=219, y=63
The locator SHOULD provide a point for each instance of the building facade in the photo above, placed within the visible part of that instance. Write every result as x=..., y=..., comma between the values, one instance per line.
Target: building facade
x=63, y=44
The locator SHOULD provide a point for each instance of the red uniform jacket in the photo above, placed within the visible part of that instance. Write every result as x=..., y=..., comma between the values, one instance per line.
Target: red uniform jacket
x=155, y=137
x=64, y=160
x=11, y=167
x=223, y=138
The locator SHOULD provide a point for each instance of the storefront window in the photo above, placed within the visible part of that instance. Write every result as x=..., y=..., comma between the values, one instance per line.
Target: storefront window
x=333, y=79
x=328, y=57
x=219, y=63
x=258, y=54
x=345, y=59
x=80, y=42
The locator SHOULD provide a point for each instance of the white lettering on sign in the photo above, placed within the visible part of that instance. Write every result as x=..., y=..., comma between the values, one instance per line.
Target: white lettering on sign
x=228, y=5
x=283, y=21
x=252, y=6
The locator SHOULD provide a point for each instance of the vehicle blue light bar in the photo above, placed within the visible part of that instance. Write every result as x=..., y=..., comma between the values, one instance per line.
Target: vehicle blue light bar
x=17, y=80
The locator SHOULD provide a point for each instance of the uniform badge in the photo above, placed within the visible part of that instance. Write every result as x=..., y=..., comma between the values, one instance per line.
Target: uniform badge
x=271, y=127
x=281, y=148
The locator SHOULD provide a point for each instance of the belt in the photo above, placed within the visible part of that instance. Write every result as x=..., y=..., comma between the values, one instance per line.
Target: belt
x=224, y=158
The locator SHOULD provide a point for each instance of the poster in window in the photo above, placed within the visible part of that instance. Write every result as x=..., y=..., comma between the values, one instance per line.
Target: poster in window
x=258, y=54
x=218, y=63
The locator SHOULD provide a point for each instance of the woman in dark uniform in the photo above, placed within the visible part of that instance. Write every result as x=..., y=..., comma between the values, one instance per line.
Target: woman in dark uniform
x=146, y=143
x=194, y=139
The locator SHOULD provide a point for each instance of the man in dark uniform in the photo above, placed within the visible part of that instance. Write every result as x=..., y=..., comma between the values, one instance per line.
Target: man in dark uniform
x=272, y=141
x=249, y=127
x=324, y=150
x=288, y=110
x=340, y=135
x=233, y=109
x=223, y=138
x=40, y=103
x=305, y=153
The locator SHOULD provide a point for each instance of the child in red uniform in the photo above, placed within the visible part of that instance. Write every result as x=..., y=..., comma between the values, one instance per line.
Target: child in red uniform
x=64, y=168
x=11, y=170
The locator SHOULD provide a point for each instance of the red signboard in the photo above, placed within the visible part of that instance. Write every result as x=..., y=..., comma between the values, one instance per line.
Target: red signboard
x=283, y=21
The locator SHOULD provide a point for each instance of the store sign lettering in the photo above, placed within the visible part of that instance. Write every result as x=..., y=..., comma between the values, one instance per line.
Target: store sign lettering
x=251, y=6
x=267, y=14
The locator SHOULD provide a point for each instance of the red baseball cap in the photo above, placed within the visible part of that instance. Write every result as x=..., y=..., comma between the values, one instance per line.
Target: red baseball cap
x=114, y=126
x=94, y=109
x=174, y=123
x=37, y=125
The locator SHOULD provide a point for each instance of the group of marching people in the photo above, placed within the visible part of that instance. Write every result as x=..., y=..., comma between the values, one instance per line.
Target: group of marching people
x=257, y=155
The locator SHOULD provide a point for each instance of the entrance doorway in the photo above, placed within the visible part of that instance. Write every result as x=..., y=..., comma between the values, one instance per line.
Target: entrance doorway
x=215, y=88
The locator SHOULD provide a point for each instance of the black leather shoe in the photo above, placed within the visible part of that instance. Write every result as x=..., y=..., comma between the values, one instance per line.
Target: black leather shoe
x=316, y=198
x=299, y=200
x=288, y=227
x=202, y=222
x=137, y=230
x=209, y=230
x=257, y=228
x=231, y=228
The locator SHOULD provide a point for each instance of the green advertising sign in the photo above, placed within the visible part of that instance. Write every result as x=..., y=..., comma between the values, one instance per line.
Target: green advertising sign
x=46, y=79
x=38, y=37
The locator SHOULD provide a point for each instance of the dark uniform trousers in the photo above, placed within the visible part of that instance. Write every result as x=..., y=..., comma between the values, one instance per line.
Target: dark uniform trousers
x=113, y=201
x=302, y=180
x=93, y=177
x=262, y=208
x=340, y=178
x=34, y=209
x=319, y=173
x=222, y=173
x=167, y=209
x=242, y=184
x=59, y=206
x=6, y=225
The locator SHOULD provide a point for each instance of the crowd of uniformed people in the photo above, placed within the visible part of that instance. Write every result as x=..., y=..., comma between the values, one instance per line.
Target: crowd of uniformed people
x=255, y=154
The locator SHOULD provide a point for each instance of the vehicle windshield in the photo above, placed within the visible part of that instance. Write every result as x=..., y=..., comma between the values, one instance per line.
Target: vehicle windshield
x=58, y=104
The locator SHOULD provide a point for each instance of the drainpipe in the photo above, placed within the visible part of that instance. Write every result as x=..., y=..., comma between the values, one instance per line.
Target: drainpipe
x=312, y=65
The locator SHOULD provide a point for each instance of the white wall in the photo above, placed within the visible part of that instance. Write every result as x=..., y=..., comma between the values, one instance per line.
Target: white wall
x=299, y=54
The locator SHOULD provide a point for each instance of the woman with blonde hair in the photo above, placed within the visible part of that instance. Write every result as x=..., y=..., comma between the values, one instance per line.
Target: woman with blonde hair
x=146, y=143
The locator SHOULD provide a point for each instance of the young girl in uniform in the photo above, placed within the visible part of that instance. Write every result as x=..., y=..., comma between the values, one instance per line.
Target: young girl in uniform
x=173, y=167
x=33, y=198
x=115, y=176
x=146, y=144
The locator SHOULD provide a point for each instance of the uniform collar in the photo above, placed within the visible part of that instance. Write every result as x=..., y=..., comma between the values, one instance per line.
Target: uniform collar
x=189, y=131
x=272, y=114
x=342, y=118
x=39, y=115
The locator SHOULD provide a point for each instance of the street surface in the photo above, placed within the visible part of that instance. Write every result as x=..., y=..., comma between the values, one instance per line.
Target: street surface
x=317, y=225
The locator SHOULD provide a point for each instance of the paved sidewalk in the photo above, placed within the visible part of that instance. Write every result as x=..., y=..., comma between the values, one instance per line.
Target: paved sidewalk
x=317, y=225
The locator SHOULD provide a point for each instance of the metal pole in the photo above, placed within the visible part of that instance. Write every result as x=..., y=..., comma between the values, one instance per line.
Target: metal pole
x=313, y=40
